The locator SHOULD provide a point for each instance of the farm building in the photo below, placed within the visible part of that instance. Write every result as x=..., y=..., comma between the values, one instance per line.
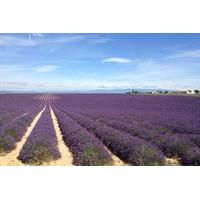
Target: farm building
x=191, y=92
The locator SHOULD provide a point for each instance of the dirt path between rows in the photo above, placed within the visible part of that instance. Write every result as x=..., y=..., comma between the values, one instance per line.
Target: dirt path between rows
x=10, y=159
x=66, y=156
x=172, y=162
x=116, y=161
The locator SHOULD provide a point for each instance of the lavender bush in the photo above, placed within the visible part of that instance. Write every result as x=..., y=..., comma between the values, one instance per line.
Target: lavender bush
x=41, y=146
x=86, y=148
x=191, y=157
x=172, y=123
x=12, y=132
x=131, y=149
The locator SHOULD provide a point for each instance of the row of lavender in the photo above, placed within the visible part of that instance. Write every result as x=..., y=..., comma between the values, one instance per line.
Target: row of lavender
x=85, y=147
x=131, y=149
x=178, y=113
x=185, y=146
x=41, y=145
x=173, y=143
x=13, y=106
x=17, y=113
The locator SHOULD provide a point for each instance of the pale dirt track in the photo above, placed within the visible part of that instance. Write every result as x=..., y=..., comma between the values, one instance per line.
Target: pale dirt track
x=66, y=156
x=117, y=161
x=10, y=159
x=172, y=162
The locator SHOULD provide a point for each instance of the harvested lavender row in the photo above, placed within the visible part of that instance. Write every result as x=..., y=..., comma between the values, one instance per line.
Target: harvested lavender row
x=86, y=148
x=41, y=145
x=131, y=149
x=12, y=132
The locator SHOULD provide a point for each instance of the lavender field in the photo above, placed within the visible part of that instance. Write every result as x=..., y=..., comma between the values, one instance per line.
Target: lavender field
x=99, y=130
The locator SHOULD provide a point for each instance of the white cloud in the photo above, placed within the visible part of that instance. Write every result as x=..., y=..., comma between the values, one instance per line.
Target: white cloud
x=12, y=68
x=46, y=68
x=17, y=41
x=101, y=40
x=34, y=39
x=187, y=54
x=40, y=35
x=98, y=39
x=117, y=60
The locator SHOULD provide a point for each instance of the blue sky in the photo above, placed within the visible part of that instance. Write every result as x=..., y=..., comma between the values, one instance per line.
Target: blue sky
x=65, y=62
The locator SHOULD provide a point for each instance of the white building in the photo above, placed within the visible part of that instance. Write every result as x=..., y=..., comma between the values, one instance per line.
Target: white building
x=191, y=92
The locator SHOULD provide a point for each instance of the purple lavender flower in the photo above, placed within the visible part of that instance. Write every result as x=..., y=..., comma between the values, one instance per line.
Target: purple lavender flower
x=86, y=148
x=41, y=145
